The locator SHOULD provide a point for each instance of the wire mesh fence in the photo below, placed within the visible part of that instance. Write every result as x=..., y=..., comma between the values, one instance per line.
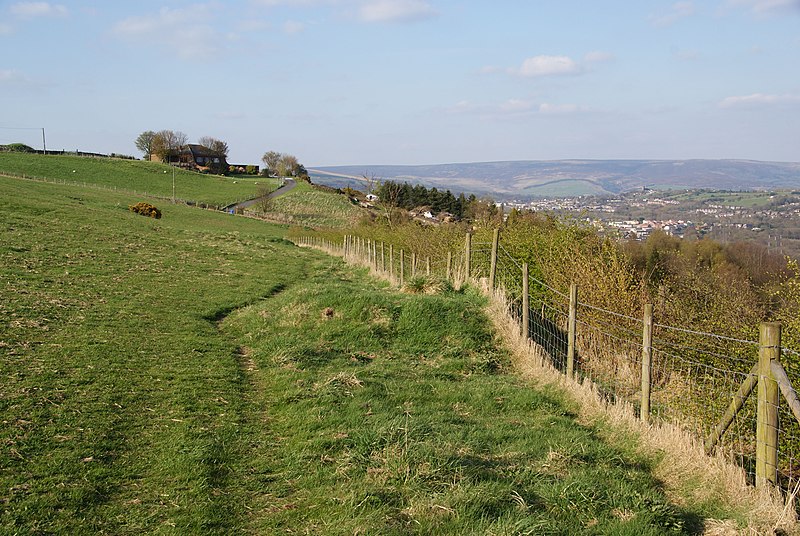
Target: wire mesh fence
x=693, y=377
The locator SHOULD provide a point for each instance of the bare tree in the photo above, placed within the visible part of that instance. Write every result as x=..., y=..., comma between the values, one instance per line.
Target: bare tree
x=217, y=146
x=287, y=165
x=167, y=143
x=271, y=159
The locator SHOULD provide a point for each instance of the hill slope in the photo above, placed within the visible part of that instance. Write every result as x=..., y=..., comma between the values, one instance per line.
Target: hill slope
x=519, y=179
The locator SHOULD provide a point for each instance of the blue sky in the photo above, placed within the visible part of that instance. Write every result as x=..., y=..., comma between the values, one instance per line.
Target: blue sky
x=409, y=81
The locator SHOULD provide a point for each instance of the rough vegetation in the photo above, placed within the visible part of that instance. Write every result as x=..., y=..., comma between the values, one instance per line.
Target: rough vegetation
x=145, y=209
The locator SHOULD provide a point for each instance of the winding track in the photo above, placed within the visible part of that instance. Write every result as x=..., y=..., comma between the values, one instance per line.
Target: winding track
x=288, y=186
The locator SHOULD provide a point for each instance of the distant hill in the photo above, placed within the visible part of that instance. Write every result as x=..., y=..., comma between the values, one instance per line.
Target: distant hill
x=539, y=178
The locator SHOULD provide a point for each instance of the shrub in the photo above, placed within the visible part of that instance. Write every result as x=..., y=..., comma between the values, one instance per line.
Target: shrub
x=251, y=170
x=146, y=209
x=19, y=148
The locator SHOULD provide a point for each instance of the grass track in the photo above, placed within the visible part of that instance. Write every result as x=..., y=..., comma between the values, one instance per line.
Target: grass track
x=182, y=376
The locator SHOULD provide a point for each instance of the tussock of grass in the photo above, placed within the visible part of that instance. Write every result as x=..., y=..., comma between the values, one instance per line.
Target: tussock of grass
x=427, y=285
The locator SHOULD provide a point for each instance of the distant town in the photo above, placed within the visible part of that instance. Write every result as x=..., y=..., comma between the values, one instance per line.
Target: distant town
x=772, y=218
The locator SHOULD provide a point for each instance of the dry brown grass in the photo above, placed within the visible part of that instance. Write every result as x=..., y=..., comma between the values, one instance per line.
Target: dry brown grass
x=687, y=472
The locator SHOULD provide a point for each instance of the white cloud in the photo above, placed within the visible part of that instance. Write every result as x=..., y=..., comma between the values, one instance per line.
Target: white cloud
x=29, y=10
x=395, y=11
x=293, y=27
x=758, y=100
x=185, y=31
x=677, y=11
x=598, y=56
x=14, y=79
x=513, y=108
x=547, y=108
x=547, y=66
x=763, y=7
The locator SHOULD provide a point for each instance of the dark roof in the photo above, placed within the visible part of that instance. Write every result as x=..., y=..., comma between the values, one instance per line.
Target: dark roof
x=200, y=150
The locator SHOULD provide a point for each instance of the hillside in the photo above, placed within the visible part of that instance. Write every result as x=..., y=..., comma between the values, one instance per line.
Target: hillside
x=199, y=374
x=526, y=179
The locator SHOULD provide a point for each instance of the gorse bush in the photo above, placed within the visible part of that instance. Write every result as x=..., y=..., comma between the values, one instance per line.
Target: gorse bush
x=145, y=209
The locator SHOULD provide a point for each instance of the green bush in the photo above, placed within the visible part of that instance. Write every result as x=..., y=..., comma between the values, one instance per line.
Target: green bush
x=19, y=148
x=146, y=209
x=251, y=170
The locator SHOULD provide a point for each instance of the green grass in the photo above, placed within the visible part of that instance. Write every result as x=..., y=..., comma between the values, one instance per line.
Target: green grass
x=751, y=200
x=315, y=208
x=135, y=175
x=200, y=375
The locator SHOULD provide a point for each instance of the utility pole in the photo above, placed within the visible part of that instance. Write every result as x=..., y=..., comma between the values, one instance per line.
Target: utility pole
x=44, y=143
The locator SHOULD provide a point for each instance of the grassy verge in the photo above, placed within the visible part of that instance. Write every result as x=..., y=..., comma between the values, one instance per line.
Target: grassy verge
x=311, y=207
x=387, y=413
x=134, y=175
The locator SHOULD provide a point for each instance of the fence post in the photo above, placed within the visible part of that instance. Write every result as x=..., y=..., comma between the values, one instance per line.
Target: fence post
x=391, y=260
x=375, y=255
x=413, y=264
x=573, y=316
x=449, y=265
x=402, y=267
x=493, y=266
x=526, y=303
x=427, y=266
x=467, y=257
x=768, y=396
x=383, y=258
x=647, y=361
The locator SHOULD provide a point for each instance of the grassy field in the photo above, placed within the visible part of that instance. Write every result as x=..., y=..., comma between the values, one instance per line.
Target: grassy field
x=198, y=374
x=308, y=206
x=752, y=200
x=135, y=175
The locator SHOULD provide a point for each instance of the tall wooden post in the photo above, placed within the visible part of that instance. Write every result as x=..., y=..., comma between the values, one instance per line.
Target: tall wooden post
x=493, y=266
x=375, y=255
x=383, y=257
x=468, y=257
x=449, y=265
x=427, y=266
x=647, y=361
x=413, y=264
x=572, y=327
x=526, y=304
x=391, y=260
x=402, y=267
x=768, y=395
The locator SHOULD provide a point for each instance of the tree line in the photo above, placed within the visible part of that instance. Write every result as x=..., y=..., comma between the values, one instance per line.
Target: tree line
x=405, y=196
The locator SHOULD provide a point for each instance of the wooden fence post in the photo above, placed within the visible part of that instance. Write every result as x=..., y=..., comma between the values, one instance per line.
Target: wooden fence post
x=647, y=361
x=768, y=396
x=449, y=265
x=467, y=257
x=427, y=266
x=383, y=257
x=402, y=267
x=413, y=264
x=493, y=266
x=526, y=303
x=375, y=255
x=391, y=260
x=571, y=329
